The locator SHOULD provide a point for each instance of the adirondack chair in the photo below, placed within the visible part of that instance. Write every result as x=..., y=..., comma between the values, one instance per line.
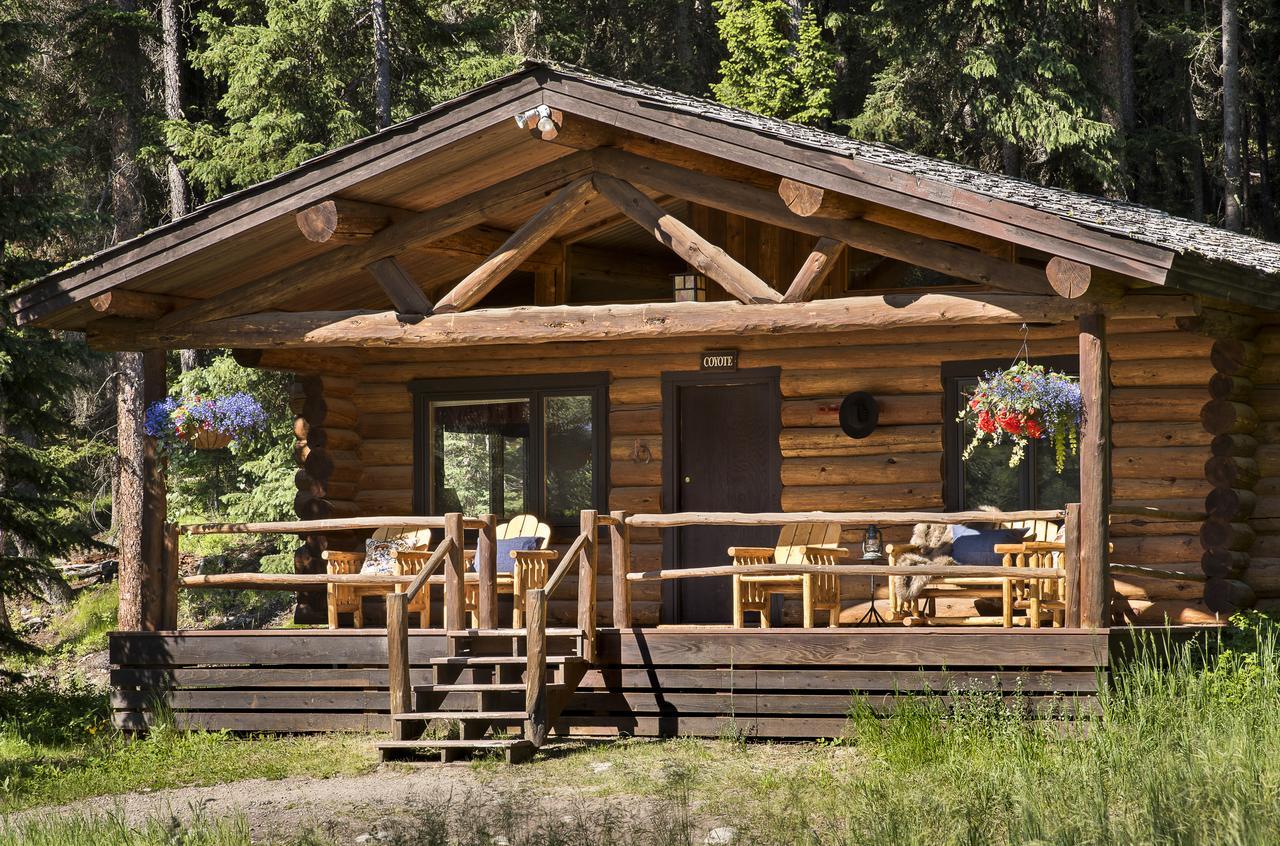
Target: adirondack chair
x=1040, y=549
x=752, y=592
x=344, y=598
x=529, y=570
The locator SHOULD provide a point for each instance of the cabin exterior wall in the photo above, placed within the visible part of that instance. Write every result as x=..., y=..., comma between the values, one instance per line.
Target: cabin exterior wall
x=1160, y=376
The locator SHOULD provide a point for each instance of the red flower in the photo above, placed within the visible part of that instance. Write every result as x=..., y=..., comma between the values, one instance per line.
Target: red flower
x=985, y=423
x=1010, y=422
x=1033, y=427
x=974, y=403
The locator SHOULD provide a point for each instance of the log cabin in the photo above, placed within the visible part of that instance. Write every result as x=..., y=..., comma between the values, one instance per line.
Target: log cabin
x=636, y=315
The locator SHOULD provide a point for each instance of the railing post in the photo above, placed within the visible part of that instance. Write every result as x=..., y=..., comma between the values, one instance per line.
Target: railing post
x=535, y=680
x=487, y=573
x=454, y=601
x=1071, y=562
x=169, y=616
x=398, y=660
x=587, y=584
x=620, y=551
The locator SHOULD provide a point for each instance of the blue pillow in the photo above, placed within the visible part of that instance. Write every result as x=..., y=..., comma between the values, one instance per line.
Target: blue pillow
x=971, y=545
x=506, y=564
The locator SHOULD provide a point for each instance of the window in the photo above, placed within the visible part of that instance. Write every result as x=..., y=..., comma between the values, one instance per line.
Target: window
x=986, y=479
x=530, y=445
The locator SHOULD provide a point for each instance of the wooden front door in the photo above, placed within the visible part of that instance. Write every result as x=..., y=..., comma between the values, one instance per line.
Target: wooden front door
x=721, y=433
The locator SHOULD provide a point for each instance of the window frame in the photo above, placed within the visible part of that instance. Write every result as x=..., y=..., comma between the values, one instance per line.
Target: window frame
x=953, y=441
x=533, y=388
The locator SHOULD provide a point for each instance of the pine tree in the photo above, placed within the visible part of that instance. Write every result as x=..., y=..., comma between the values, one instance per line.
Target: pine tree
x=43, y=461
x=778, y=63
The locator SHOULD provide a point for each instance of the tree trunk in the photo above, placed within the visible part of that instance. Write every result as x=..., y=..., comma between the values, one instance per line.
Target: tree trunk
x=1115, y=22
x=171, y=64
x=381, y=62
x=1011, y=158
x=1266, y=199
x=1233, y=175
x=130, y=473
x=127, y=221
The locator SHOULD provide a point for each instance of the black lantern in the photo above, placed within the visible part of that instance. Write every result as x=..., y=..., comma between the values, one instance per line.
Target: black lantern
x=688, y=287
x=872, y=544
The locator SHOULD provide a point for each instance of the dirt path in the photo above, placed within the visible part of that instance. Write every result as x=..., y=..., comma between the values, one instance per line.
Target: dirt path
x=392, y=799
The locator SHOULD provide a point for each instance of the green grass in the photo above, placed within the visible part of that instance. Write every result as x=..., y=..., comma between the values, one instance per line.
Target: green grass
x=113, y=830
x=1186, y=750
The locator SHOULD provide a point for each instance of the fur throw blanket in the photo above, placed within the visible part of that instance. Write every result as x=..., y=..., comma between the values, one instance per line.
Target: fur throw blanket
x=933, y=546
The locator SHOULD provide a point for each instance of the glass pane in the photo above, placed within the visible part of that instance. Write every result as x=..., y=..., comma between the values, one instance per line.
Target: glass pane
x=480, y=452
x=569, y=442
x=1054, y=490
x=986, y=477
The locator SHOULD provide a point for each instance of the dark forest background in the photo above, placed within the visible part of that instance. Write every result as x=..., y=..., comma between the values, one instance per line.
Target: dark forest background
x=118, y=115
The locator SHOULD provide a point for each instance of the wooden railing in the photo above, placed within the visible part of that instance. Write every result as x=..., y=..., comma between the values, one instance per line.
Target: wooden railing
x=398, y=678
x=1081, y=588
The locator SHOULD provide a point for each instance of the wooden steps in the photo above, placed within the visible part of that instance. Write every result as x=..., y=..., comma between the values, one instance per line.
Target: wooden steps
x=498, y=684
x=515, y=750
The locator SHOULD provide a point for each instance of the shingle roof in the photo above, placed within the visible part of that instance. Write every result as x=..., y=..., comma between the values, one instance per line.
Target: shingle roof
x=1127, y=220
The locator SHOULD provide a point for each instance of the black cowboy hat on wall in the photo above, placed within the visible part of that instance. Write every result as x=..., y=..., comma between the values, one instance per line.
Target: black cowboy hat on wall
x=859, y=414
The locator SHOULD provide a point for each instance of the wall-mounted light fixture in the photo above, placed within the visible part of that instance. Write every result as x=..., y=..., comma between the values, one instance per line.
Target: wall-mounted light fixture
x=688, y=287
x=872, y=544
x=538, y=118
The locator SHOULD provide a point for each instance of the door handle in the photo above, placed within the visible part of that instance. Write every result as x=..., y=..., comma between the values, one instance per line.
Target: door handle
x=688, y=479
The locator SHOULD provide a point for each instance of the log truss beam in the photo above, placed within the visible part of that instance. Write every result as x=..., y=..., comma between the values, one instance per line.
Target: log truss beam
x=815, y=270
x=701, y=254
x=769, y=207
x=535, y=232
x=535, y=325
x=423, y=227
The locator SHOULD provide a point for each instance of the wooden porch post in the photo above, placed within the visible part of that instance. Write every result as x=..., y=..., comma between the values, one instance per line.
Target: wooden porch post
x=158, y=589
x=454, y=605
x=1095, y=472
x=487, y=573
x=620, y=553
x=587, y=584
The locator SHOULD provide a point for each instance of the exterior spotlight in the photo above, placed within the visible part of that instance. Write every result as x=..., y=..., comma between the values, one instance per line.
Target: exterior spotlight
x=539, y=117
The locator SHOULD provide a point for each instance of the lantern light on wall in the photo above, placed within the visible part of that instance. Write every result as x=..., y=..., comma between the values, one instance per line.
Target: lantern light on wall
x=688, y=287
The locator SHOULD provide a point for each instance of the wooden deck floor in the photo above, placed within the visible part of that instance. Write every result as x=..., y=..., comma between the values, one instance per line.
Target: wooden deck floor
x=647, y=682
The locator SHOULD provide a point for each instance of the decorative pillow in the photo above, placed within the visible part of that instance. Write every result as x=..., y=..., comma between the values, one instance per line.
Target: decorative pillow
x=377, y=555
x=506, y=564
x=973, y=545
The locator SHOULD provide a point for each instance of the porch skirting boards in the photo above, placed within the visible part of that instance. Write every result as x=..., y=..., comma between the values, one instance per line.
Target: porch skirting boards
x=648, y=682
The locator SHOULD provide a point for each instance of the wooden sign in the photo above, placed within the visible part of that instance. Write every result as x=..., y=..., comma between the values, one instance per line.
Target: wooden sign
x=719, y=360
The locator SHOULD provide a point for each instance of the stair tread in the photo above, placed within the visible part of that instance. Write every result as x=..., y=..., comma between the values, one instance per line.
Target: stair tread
x=472, y=660
x=462, y=715
x=479, y=688
x=482, y=743
x=551, y=632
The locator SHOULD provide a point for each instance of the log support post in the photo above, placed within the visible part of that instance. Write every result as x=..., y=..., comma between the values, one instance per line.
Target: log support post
x=1095, y=472
x=398, y=660
x=620, y=554
x=169, y=618
x=536, y=667
x=159, y=592
x=454, y=601
x=487, y=573
x=587, y=584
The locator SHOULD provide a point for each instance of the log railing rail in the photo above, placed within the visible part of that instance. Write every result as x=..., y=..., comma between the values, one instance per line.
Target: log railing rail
x=621, y=523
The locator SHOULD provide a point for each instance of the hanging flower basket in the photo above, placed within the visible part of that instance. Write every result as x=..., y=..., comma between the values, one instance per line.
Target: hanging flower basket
x=1024, y=403
x=203, y=423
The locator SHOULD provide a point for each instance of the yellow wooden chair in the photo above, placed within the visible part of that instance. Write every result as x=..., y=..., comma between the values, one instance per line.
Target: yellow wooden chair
x=797, y=544
x=529, y=568
x=349, y=598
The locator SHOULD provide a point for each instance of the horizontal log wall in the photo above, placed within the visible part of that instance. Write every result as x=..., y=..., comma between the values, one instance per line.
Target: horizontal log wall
x=1262, y=574
x=1161, y=377
x=654, y=682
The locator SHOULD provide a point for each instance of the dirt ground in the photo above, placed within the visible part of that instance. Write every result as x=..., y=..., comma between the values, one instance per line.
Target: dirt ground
x=375, y=806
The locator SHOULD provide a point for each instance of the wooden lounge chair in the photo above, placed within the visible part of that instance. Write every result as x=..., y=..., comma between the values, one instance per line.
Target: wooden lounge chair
x=753, y=592
x=1040, y=549
x=350, y=598
x=528, y=571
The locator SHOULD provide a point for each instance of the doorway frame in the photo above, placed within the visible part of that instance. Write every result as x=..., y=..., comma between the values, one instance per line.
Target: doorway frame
x=671, y=384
